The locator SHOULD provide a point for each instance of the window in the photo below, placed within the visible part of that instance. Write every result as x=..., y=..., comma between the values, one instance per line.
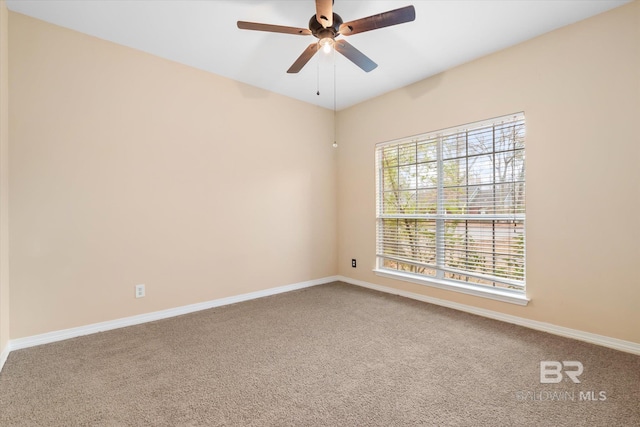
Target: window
x=451, y=208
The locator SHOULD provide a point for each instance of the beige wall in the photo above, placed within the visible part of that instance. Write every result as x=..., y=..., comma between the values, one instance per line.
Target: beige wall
x=579, y=87
x=127, y=168
x=4, y=176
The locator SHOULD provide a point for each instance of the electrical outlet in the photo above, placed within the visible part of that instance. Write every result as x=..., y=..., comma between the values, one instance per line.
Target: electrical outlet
x=353, y=263
x=139, y=291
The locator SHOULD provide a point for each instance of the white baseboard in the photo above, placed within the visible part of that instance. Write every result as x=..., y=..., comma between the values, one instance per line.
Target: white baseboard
x=3, y=355
x=64, y=334
x=20, y=343
x=614, y=343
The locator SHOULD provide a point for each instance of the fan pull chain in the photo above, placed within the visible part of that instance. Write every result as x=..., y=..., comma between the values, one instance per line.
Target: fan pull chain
x=318, y=75
x=335, y=127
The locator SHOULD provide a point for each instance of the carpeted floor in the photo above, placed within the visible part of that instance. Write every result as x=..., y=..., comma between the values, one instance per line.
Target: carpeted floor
x=330, y=355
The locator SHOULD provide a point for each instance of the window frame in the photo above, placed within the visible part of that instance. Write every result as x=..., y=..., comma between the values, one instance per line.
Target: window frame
x=439, y=267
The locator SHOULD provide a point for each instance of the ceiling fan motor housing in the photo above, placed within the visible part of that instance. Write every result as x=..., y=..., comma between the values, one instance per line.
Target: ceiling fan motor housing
x=321, y=32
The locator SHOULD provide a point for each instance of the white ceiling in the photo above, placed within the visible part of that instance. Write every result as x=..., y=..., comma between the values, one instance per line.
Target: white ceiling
x=203, y=34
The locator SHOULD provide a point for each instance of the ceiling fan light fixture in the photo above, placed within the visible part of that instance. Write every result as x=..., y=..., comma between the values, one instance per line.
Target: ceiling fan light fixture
x=326, y=30
x=326, y=44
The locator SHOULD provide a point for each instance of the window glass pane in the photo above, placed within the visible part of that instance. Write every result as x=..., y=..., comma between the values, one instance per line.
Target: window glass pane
x=518, y=166
x=466, y=248
x=454, y=172
x=455, y=200
x=407, y=154
x=390, y=264
x=469, y=279
x=480, y=141
x=399, y=202
x=390, y=157
x=509, y=166
x=426, y=241
x=519, y=198
x=390, y=179
x=407, y=177
x=520, y=131
x=481, y=169
x=428, y=151
x=412, y=240
x=390, y=203
x=509, y=136
x=387, y=236
x=427, y=271
x=454, y=146
x=416, y=269
x=480, y=200
x=428, y=175
x=505, y=198
x=509, y=250
x=427, y=201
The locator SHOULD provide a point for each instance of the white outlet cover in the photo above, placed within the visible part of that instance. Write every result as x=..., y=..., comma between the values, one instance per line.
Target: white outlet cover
x=140, y=292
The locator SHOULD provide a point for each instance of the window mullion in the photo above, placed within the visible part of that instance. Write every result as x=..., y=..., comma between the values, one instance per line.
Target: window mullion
x=440, y=211
x=493, y=223
x=466, y=201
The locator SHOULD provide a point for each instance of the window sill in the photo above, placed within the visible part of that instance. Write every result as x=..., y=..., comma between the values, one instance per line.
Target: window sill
x=503, y=295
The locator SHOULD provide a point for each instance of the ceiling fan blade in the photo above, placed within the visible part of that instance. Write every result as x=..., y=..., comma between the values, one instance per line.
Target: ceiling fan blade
x=304, y=58
x=381, y=20
x=324, y=12
x=243, y=25
x=354, y=55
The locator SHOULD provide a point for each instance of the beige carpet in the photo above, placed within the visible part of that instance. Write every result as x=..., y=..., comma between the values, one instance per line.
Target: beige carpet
x=331, y=355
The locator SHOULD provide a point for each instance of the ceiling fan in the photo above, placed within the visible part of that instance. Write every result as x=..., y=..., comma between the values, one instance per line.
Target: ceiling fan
x=326, y=25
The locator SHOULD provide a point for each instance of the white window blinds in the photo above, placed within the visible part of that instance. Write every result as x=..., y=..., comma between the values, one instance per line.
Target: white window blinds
x=451, y=204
